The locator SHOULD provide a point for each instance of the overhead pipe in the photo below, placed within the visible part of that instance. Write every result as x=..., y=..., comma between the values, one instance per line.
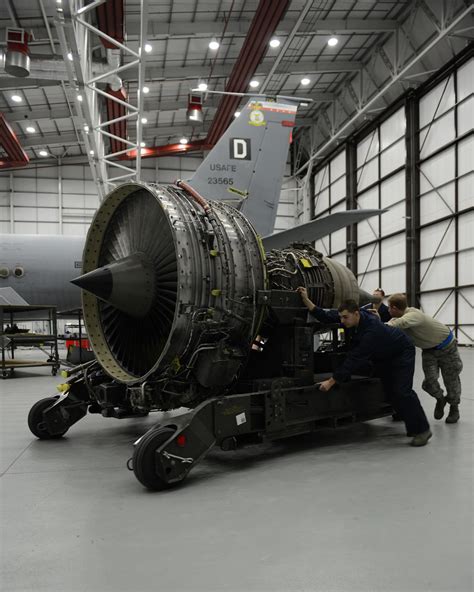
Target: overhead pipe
x=17, y=157
x=167, y=150
x=113, y=62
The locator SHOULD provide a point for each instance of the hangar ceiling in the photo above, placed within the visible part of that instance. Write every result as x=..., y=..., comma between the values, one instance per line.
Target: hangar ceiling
x=384, y=47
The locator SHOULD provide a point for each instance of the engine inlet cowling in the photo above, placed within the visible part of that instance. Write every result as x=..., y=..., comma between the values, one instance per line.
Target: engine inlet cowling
x=162, y=276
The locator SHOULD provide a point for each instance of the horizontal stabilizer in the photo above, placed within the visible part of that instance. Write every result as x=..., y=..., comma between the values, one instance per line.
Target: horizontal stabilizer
x=316, y=229
x=10, y=296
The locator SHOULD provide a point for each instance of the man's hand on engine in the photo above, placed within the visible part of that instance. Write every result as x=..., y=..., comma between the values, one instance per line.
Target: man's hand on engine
x=327, y=385
x=303, y=292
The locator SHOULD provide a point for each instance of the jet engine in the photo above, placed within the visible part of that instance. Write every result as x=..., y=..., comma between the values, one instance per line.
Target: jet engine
x=184, y=308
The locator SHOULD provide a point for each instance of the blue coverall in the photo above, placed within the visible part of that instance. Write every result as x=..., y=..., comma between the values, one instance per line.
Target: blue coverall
x=393, y=355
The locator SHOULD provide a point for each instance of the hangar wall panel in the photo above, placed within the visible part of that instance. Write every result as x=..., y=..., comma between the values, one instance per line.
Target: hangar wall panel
x=381, y=159
x=330, y=191
x=446, y=216
x=62, y=199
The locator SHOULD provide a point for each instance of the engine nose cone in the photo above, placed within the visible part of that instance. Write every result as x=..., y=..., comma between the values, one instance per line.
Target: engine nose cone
x=127, y=284
x=98, y=282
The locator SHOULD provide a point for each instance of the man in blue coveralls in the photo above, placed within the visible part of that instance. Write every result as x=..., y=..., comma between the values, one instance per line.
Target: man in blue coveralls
x=391, y=352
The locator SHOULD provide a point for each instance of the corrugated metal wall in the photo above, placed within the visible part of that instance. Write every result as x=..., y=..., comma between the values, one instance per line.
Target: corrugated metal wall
x=443, y=205
x=62, y=199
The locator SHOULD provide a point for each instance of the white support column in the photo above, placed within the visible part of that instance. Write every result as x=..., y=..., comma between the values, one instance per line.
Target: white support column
x=77, y=36
x=60, y=194
x=141, y=82
x=12, y=205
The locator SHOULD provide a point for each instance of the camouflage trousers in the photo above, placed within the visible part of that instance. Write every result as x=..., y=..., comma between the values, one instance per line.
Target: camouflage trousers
x=449, y=362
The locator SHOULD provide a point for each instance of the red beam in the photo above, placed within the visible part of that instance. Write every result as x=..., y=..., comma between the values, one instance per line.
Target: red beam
x=16, y=155
x=110, y=21
x=269, y=13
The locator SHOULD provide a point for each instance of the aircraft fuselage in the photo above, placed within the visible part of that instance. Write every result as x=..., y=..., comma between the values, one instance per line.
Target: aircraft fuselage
x=41, y=267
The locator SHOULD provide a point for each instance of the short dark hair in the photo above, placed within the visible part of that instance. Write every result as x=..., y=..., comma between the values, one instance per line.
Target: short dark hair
x=380, y=290
x=398, y=301
x=349, y=305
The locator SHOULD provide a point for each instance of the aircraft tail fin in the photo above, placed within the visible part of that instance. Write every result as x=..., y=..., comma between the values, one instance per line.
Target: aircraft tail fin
x=248, y=162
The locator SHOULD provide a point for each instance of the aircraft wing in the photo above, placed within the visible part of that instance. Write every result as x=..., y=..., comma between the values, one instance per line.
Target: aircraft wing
x=316, y=229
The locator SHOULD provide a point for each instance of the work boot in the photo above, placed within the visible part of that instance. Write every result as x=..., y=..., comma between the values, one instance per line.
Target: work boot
x=421, y=439
x=439, y=409
x=453, y=415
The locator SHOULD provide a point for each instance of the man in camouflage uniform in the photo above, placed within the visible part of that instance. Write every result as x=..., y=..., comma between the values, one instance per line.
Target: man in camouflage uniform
x=440, y=352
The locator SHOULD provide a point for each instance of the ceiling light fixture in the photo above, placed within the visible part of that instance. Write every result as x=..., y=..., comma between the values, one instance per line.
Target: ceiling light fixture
x=30, y=129
x=144, y=120
x=79, y=98
x=69, y=56
x=254, y=83
x=146, y=90
x=43, y=153
x=183, y=141
x=333, y=41
x=237, y=113
x=16, y=99
x=202, y=86
x=194, y=110
x=147, y=47
x=305, y=81
x=274, y=43
x=142, y=144
x=214, y=44
x=86, y=128
x=91, y=152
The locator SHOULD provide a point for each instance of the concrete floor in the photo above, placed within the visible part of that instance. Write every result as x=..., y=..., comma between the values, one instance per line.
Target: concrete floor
x=350, y=510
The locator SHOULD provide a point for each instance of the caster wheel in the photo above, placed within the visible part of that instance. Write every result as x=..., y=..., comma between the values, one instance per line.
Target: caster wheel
x=36, y=423
x=144, y=459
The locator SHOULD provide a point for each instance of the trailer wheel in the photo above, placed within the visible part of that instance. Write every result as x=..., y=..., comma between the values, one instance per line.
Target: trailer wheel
x=36, y=423
x=144, y=459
